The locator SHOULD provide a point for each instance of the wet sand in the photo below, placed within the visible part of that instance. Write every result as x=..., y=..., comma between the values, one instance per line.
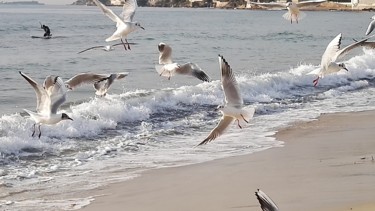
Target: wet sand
x=325, y=165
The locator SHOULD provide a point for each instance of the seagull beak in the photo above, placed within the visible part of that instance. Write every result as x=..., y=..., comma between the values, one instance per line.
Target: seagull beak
x=70, y=118
x=346, y=69
x=142, y=27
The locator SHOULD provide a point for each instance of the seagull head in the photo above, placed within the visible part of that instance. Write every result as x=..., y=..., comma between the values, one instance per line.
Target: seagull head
x=65, y=116
x=288, y=4
x=219, y=108
x=342, y=65
x=139, y=25
x=161, y=47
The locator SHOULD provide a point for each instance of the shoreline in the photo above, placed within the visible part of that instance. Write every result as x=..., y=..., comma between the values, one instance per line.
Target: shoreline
x=325, y=165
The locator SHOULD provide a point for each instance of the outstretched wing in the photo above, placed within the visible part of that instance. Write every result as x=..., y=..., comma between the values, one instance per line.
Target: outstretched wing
x=331, y=50
x=109, y=13
x=265, y=202
x=84, y=78
x=229, y=83
x=370, y=27
x=165, y=55
x=103, y=85
x=193, y=70
x=341, y=53
x=41, y=94
x=218, y=130
x=128, y=10
x=94, y=47
x=58, y=95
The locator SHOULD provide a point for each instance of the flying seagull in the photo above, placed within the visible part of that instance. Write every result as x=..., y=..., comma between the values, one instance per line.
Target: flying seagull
x=168, y=69
x=124, y=26
x=265, y=202
x=333, y=52
x=294, y=12
x=49, y=98
x=233, y=108
x=52, y=94
x=103, y=47
x=101, y=82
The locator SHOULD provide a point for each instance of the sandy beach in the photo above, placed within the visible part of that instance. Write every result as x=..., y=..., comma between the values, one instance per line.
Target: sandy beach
x=324, y=165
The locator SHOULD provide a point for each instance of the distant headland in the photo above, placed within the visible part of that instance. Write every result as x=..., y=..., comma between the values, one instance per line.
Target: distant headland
x=21, y=2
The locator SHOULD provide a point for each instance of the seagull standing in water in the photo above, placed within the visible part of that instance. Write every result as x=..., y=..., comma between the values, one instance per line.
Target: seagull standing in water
x=333, y=52
x=124, y=26
x=265, y=202
x=233, y=108
x=49, y=98
x=168, y=69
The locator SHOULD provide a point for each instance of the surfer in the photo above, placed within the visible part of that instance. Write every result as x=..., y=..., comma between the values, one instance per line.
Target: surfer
x=47, y=31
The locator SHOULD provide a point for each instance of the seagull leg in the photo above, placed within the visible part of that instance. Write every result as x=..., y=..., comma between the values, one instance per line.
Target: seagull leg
x=238, y=123
x=244, y=119
x=123, y=44
x=40, y=132
x=32, y=135
x=315, y=82
x=128, y=44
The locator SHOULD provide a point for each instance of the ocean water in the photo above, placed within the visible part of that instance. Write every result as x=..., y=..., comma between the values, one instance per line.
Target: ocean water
x=146, y=121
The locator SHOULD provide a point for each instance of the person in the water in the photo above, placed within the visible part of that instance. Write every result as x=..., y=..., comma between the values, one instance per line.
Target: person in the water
x=47, y=31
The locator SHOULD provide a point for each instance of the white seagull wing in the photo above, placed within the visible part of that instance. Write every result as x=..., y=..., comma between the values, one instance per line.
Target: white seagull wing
x=370, y=27
x=58, y=95
x=265, y=202
x=341, y=53
x=84, y=78
x=94, y=47
x=165, y=55
x=229, y=84
x=368, y=44
x=109, y=13
x=128, y=10
x=330, y=52
x=41, y=94
x=102, y=86
x=193, y=70
x=218, y=130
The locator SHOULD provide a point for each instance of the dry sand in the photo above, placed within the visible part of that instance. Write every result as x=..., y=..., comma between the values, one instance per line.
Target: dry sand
x=326, y=165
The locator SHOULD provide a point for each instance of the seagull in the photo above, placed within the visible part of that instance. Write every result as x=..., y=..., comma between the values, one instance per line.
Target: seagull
x=265, y=202
x=371, y=26
x=101, y=82
x=103, y=47
x=233, y=108
x=124, y=26
x=294, y=12
x=53, y=93
x=103, y=85
x=332, y=53
x=49, y=98
x=168, y=69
